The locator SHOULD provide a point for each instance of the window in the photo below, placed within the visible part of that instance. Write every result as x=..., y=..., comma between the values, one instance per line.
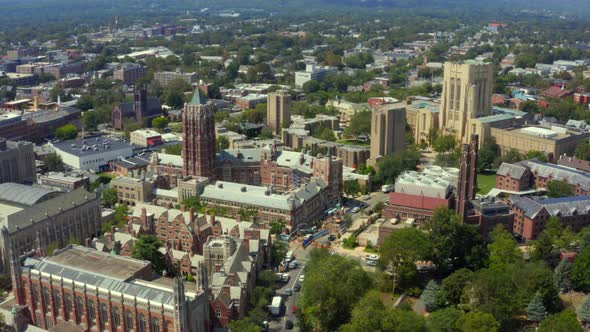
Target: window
x=91, y=312
x=79, y=306
x=128, y=321
x=46, y=299
x=142, y=323
x=116, y=317
x=217, y=313
x=57, y=300
x=68, y=303
x=155, y=325
x=35, y=291
x=104, y=314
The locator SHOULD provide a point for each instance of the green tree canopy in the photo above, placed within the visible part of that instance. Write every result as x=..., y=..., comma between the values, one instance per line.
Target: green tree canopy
x=536, y=311
x=453, y=286
x=503, y=249
x=66, y=132
x=360, y=124
x=332, y=286
x=563, y=321
x=563, y=275
x=583, y=151
x=146, y=247
x=444, y=143
x=559, y=188
x=160, y=122
x=392, y=165
x=110, y=197
x=54, y=163
x=429, y=295
x=475, y=321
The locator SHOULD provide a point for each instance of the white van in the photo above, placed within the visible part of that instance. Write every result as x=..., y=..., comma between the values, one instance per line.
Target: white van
x=387, y=188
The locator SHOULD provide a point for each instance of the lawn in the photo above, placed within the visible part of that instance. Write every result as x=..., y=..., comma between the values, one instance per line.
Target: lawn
x=353, y=142
x=485, y=183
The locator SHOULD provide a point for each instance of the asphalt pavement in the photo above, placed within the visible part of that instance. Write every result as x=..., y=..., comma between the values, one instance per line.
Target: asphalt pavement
x=278, y=323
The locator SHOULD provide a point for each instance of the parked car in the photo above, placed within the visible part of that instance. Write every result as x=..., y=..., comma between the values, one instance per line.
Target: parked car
x=285, y=277
x=288, y=291
x=301, y=278
x=332, y=237
x=297, y=287
x=355, y=209
x=372, y=263
x=289, y=324
x=293, y=265
x=372, y=258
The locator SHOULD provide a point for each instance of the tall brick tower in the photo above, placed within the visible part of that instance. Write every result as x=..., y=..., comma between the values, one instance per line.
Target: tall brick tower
x=198, y=121
x=330, y=169
x=467, y=184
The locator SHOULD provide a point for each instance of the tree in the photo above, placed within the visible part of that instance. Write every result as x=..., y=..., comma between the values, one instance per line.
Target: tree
x=360, y=124
x=487, y=155
x=53, y=162
x=325, y=305
x=392, y=165
x=276, y=227
x=279, y=250
x=429, y=295
x=453, y=286
x=536, y=311
x=444, y=320
x=475, y=321
x=110, y=197
x=455, y=244
x=581, y=270
x=327, y=134
x=512, y=156
x=244, y=325
x=160, y=122
x=444, y=143
x=146, y=247
x=541, y=156
x=402, y=249
x=85, y=102
x=175, y=149
x=66, y=132
x=503, y=249
x=563, y=275
x=91, y=120
x=583, y=151
x=563, y=321
x=584, y=311
x=559, y=188
x=222, y=143
x=351, y=187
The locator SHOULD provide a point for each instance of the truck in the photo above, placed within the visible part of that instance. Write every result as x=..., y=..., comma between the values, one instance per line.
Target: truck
x=387, y=188
x=276, y=305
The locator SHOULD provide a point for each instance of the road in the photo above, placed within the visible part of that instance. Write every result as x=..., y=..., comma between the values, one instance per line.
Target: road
x=278, y=323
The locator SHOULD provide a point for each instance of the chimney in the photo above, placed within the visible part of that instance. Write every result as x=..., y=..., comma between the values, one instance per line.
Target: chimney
x=144, y=218
x=212, y=219
x=36, y=103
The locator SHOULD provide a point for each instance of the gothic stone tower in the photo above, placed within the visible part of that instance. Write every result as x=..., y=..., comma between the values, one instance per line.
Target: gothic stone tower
x=198, y=153
x=467, y=186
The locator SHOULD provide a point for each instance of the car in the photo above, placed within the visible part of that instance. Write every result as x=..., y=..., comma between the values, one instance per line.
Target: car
x=285, y=277
x=289, y=324
x=372, y=257
x=294, y=310
x=372, y=263
x=332, y=237
x=288, y=291
x=293, y=265
x=363, y=205
x=297, y=287
x=301, y=278
x=355, y=209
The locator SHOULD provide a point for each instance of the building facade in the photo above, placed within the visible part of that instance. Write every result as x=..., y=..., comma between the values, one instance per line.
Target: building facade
x=467, y=185
x=467, y=94
x=129, y=73
x=142, y=110
x=17, y=162
x=199, y=145
x=278, y=112
x=388, y=131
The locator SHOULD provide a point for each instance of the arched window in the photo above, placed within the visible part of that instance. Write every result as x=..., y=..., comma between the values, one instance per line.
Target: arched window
x=116, y=317
x=92, y=312
x=128, y=321
x=104, y=313
x=142, y=323
x=79, y=307
x=57, y=300
x=46, y=299
x=68, y=304
x=155, y=325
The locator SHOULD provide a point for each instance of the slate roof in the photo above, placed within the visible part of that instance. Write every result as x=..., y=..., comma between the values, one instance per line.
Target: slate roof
x=240, y=155
x=198, y=98
x=556, y=172
x=23, y=195
x=561, y=207
x=515, y=171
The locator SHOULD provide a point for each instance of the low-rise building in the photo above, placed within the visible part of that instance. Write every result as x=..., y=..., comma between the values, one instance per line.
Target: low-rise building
x=313, y=73
x=129, y=72
x=145, y=137
x=64, y=182
x=92, y=153
x=165, y=77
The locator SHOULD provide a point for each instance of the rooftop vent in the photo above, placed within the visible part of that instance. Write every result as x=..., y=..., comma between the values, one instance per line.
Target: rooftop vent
x=244, y=189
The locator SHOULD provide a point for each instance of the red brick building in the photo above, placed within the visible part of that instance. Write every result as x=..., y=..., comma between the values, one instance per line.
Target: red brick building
x=96, y=291
x=198, y=121
x=421, y=208
x=513, y=177
x=582, y=98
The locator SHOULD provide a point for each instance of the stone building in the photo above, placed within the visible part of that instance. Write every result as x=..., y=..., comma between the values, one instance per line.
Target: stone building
x=87, y=290
x=129, y=72
x=388, y=131
x=467, y=185
x=467, y=94
x=143, y=109
x=278, y=112
x=33, y=218
x=17, y=162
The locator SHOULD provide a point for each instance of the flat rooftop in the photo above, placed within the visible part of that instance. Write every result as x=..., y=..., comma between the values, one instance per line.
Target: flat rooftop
x=91, y=146
x=89, y=260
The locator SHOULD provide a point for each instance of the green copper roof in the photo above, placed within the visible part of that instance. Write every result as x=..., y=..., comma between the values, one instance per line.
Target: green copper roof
x=199, y=98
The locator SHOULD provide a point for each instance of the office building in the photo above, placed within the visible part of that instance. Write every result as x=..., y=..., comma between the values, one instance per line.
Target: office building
x=129, y=72
x=313, y=73
x=145, y=137
x=165, y=77
x=388, y=131
x=33, y=218
x=278, y=112
x=199, y=145
x=17, y=162
x=64, y=182
x=467, y=94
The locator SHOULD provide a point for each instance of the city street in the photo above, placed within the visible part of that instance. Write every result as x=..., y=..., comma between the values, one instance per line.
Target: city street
x=278, y=323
